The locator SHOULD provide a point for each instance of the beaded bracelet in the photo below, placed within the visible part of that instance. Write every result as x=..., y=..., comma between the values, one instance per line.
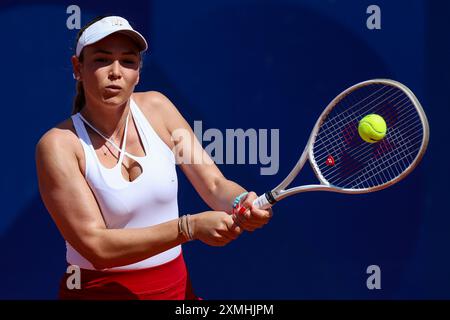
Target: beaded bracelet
x=238, y=199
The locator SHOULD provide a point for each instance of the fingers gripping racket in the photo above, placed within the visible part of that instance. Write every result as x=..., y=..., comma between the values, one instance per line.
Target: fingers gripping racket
x=342, y=161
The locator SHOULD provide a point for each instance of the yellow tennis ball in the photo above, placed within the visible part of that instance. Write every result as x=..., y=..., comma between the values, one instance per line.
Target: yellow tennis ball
x=372, y=128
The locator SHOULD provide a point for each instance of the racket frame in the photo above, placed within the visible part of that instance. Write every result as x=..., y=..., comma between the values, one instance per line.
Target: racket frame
x=280, y=192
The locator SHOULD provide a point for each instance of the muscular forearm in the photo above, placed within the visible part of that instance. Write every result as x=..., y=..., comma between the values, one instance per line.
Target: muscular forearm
x=118, y=247
x=224, y=193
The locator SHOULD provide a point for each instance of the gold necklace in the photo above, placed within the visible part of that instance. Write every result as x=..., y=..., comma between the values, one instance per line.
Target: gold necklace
x=112, y=138
x=104, y=136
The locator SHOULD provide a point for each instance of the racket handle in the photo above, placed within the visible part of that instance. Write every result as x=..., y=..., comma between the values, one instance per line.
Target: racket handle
x=261, y=202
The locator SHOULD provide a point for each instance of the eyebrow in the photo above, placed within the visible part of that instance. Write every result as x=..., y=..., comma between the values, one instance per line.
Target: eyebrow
x=109, y=52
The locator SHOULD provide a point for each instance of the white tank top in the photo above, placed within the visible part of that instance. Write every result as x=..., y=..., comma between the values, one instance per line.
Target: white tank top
x=148, y=200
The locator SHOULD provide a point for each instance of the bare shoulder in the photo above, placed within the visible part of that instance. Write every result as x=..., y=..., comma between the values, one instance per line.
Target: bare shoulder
x=154, y=101
x=150, y=97
x=61, y=135
x=60, y=142
x=161, y=114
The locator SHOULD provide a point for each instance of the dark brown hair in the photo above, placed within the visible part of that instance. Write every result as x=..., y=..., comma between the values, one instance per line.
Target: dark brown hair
x=80, y=100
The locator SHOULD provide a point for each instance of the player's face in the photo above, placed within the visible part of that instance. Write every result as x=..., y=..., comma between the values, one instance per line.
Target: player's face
x=110, y=70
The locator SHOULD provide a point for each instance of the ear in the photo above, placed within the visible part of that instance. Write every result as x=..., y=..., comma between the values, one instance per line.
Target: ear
x=76, y=65
x=138, y=77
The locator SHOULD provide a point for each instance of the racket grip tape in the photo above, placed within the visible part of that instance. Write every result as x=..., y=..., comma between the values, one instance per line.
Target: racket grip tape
x=264, y=201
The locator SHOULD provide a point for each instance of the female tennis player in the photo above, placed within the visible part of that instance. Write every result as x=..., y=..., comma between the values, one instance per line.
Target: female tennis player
x=107, y=176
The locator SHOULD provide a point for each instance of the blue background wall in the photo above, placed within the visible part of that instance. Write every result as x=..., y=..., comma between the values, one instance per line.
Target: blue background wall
x=217, y=59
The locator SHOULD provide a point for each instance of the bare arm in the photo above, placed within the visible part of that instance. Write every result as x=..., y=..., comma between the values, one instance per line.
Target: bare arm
x=217, y=191
x=73, y=207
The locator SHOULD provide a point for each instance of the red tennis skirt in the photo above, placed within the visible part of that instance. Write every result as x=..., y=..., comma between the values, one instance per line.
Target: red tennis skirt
x=169, y=281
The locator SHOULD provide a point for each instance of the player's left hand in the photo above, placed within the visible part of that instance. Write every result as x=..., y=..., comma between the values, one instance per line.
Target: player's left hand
x=253, y=218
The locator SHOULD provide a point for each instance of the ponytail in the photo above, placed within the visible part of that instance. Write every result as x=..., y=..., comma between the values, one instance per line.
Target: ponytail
x=79, y=100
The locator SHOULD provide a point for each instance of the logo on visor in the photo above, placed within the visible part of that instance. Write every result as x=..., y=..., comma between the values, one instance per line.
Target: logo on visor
x=117, y=22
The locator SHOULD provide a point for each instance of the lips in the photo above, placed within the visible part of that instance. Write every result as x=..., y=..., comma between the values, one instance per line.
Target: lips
x=114, y=87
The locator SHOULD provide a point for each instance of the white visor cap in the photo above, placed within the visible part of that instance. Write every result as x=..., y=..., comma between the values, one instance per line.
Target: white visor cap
x=106, y=26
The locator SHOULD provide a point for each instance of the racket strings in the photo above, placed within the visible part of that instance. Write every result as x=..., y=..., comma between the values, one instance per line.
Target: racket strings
x=343, y=117
x=365, y=146
x=358, y=164
x=393, y=165
x=368, y=152
x=364, y=150
x=397, y=166
x=345, y=114
x=336, y=125
x=350, y=132
x=348, y=137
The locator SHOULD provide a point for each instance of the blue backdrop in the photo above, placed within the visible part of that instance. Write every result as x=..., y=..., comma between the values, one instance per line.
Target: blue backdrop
x=262, y=64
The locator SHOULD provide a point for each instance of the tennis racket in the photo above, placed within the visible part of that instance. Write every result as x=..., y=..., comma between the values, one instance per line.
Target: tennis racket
x=342, y=161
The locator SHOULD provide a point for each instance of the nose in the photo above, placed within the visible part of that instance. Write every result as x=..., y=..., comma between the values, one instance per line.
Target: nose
x=114, y=72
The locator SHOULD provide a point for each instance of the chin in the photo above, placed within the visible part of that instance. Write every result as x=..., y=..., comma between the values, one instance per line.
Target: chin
x=116, y=100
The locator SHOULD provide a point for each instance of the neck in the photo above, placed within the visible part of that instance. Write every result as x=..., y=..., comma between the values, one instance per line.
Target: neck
x=106, y=119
